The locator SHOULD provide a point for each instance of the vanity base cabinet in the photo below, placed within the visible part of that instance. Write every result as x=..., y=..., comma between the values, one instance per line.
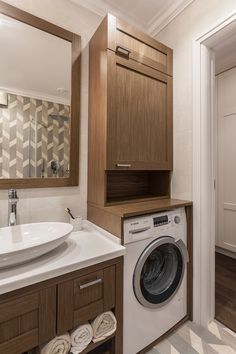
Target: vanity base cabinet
x=27, y=320
x=34, y=315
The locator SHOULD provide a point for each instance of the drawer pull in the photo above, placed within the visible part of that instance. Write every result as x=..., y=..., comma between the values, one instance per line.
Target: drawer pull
x=123, y=51
x=91, y=283
x=123, y=165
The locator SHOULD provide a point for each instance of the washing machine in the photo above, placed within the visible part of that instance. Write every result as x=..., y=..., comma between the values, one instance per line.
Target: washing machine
x=155, y=276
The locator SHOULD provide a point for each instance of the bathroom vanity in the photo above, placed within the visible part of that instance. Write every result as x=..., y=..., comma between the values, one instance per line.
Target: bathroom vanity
x=61, y=290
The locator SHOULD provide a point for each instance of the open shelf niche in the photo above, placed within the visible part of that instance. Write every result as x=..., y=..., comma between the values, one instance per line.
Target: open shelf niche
x=129, y=186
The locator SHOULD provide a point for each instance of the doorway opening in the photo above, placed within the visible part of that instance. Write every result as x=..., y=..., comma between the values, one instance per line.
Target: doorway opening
x=214, y=174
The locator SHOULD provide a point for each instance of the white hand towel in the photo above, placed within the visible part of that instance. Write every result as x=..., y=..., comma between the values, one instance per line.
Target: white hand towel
x=58, y=345
x=80, y=338
x=103, y=326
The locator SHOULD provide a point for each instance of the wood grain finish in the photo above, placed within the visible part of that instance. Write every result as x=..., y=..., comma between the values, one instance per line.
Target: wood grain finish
x=130, y=118
x=123, y=186
x=111, y=217
x=189, y=216
x=139, y=129
x=34, y=315
x=89, y=298
x=97, y=115
x=75, y=41
x=28, y=320
x=102, y=217
x=143, y=48
x=225, y=290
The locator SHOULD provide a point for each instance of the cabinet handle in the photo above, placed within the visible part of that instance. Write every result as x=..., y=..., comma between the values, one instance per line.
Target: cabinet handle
x=123, y=165
x=123, y=51
x=91, y=283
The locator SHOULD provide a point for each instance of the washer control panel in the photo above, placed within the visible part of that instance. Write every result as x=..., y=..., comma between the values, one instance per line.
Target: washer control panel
x=147, y=226
x=161, y=220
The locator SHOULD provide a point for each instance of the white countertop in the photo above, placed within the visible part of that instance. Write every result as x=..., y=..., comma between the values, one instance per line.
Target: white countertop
x=83, y=248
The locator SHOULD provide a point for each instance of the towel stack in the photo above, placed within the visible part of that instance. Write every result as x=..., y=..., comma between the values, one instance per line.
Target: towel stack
x=101, y=327
x=80, y=338
x=58, y=345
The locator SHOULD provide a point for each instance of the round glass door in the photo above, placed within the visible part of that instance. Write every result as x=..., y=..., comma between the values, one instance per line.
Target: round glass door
x=159, y=271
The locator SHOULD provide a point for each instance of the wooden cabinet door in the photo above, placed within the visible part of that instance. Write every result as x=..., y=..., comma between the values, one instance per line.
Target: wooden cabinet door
x=27, y=320
x=125, y=39
x=139, y=130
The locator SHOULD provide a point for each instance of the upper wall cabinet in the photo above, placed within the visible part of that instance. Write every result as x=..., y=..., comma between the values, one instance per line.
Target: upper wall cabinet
x=130, y=120
x=139, y=117
x=129, y=42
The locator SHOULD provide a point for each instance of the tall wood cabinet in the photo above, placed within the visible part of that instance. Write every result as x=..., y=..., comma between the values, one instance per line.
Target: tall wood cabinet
x=130, y=120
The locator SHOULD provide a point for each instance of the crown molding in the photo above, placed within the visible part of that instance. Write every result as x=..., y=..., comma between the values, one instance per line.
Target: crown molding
x=153, y=27
x=161, y=20
x=101, y=8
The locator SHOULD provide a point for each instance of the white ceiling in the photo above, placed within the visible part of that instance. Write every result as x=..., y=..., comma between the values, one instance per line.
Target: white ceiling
x=34, y=63
x=150, y=15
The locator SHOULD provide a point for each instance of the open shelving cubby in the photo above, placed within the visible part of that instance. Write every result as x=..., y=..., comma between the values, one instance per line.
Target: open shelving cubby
x=128, y=186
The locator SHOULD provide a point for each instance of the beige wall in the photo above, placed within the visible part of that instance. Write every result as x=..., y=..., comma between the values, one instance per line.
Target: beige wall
x=195, y=20
x=49, y=204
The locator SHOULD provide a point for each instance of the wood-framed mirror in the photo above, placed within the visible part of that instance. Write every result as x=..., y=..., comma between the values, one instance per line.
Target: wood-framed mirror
x=39, y=102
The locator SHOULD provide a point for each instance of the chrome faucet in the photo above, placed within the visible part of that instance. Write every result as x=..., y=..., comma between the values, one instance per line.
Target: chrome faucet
x=12, y=202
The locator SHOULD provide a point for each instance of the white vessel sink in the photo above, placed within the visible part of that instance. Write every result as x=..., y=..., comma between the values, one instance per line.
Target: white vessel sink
x=22, y=243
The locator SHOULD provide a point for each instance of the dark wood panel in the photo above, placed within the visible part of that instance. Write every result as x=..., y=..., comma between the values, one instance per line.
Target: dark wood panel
x=99, y=347
x=189, y=216
x=140, y=117
x=118, y=340
x=21, y=343
x=9, y=329
x=144, y=48
x=18, y=307
x=109, y=296
x=65, y=308
x=225, y=290
x=88, y=295
x=47, y=314
x=103, y=218
x=75, y=110
x=127, y=210
x=32, y=327
x=88, y=312
x=28, y=322
x=97, y=136
x=123, y=186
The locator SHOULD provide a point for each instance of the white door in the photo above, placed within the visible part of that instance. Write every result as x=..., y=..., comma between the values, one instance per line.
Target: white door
x=226, y=156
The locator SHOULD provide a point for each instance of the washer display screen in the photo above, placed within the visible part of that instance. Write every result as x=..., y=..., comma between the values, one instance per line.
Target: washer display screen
x=160, y=220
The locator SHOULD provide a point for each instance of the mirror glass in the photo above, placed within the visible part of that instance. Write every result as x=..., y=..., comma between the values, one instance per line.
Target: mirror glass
x=35, y=96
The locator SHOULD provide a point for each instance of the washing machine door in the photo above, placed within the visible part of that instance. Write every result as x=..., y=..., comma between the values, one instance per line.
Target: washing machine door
x=159, y=271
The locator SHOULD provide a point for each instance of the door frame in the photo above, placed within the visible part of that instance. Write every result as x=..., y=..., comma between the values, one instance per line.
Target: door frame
x=204, y=172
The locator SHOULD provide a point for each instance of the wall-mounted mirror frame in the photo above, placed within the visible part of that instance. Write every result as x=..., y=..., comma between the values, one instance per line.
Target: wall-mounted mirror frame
x=75, y=40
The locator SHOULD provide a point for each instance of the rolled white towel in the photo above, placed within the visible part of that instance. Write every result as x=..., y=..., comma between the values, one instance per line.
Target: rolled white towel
x=103, y=326
x=80, y=338
x=58, y=345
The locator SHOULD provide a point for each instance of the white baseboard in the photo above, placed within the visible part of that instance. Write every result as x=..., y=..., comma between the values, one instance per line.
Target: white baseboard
x=226, y=252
